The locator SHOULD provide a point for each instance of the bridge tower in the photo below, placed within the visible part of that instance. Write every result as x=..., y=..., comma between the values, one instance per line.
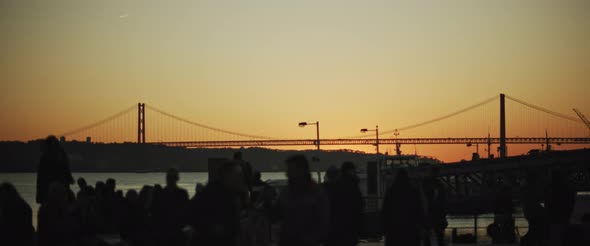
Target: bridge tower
x=141, y=123
x=503, y=153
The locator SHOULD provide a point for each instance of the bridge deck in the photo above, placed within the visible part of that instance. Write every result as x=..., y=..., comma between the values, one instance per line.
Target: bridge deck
x=364, y=141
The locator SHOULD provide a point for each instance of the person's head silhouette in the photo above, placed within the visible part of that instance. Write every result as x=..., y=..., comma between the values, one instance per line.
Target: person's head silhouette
x=348, y=168
x=298, y=174
x=257, y=176
x=231, y=177
x=332, y=174
x=172, y=177
x=50, y=144
x=81, y=183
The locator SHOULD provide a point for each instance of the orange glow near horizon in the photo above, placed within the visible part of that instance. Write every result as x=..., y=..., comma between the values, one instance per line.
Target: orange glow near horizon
x=263, y=66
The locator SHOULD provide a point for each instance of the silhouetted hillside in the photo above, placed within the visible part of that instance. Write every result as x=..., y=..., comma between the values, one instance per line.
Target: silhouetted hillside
x=132, y=157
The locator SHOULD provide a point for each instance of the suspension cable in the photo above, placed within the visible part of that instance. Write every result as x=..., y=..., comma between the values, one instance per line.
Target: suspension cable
x=95, y=124
x=208, y=127
x=432, y=120
x=544, y=110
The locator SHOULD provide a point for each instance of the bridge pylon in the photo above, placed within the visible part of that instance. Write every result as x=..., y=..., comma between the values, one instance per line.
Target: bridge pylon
x=503, y=152
x=141, y=123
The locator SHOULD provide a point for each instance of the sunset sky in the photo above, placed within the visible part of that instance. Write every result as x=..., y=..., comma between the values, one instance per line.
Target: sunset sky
x=261, y=66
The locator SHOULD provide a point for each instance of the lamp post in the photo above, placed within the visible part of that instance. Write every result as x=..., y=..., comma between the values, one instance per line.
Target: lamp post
x=317, y=128
x=376, y=130
x=397, y=144
x=475, y=154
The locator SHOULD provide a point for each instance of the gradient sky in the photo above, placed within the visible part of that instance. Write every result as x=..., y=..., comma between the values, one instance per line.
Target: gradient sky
x=261, y=66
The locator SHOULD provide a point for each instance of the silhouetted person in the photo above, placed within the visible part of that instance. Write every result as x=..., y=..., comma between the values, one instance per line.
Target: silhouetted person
x=502, y=230
x=55, y=222
x=215, y=214
x=53, y=167
x=100, y=186
x=332, y=175
x=346, y=208
x=331, y=178
x=71, y=196
x=16, y=217
x=134, y=222
x=109, y=206
x=86, y=217
x=111, y=185
x=257, y=179
x=329, y=186
x=111, y=202
x=262, y=197
x=119, y=195
x=173, y=202
x=118, y=204
x=303, y=208
x=192, y=202
x=247, y=172
x=146, y=201
x=436, y=206
x=559, y=204
x=157, y=214
x=246, y=169
x=146, y=196
x=538, y=225
x=131, y=217
x=262, y=193
x=534, y=213
x=402, y=212
x=82, y=185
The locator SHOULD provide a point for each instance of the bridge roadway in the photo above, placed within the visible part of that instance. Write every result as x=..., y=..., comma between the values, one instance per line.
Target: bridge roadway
x=369, y=141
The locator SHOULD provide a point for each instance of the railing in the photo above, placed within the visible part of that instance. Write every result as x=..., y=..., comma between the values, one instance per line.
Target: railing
x=476, y=225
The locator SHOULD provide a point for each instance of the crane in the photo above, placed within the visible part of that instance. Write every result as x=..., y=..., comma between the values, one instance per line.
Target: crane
x=582, y=117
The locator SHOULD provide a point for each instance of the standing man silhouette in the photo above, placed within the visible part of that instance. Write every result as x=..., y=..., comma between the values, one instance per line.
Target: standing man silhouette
x=54, y=166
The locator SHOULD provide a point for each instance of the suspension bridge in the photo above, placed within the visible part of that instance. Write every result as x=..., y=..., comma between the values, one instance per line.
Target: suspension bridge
x=155, y=126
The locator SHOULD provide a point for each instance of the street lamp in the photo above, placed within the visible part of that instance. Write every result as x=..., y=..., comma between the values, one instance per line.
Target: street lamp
x=475, y=155
x=376, y=130
x=317, y=128
x=398, y=151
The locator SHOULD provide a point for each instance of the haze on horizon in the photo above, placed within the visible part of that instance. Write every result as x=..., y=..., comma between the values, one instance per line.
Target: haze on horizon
x=261, y=66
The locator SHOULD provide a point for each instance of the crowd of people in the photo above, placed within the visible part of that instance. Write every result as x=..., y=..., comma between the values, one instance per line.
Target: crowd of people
x=236, y=208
